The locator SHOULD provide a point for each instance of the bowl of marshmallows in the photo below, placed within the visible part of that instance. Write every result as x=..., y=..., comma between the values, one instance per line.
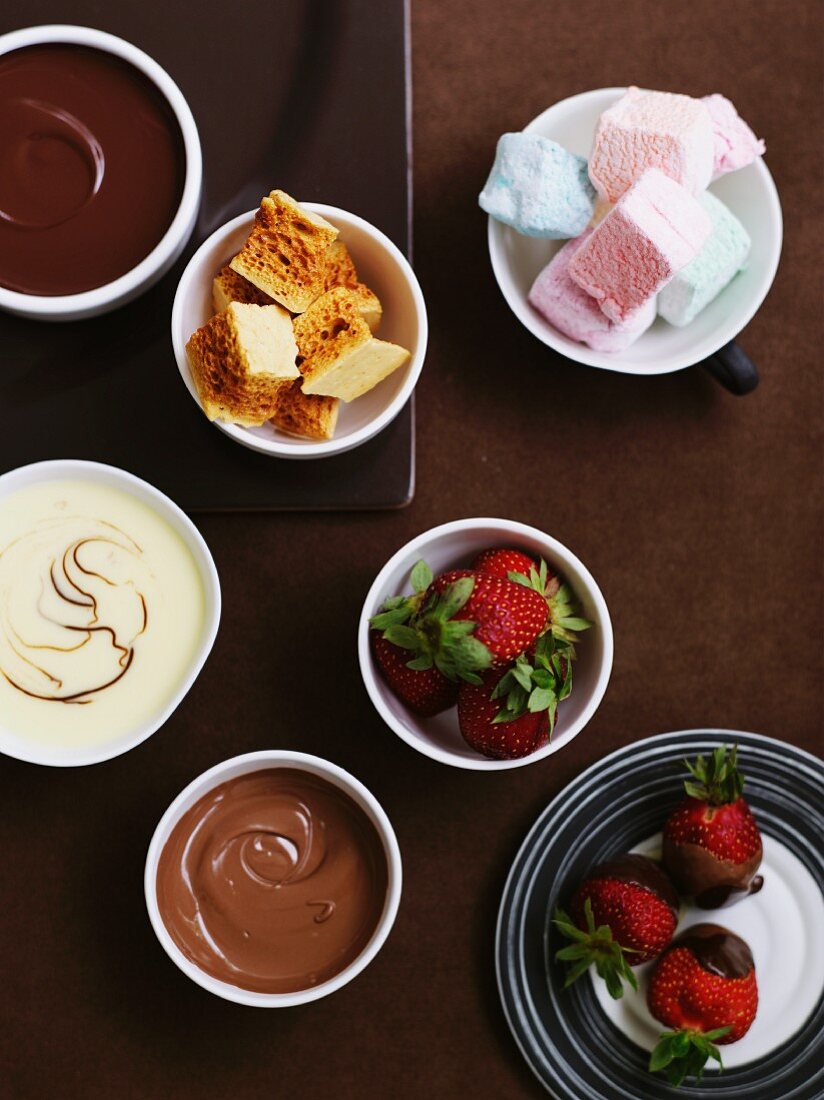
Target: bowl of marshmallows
x=636, y=231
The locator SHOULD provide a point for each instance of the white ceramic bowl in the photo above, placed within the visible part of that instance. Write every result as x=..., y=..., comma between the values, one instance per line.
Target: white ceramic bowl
x=454, y=545
x=243, y=765
x=91, y=303
x=75, y=469
x=382, y=266
x=751, y=195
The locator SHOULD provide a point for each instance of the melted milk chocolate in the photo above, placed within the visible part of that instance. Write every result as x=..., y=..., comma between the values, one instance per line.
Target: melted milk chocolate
x=274, y=881
x=718, y=950
x=91, y=168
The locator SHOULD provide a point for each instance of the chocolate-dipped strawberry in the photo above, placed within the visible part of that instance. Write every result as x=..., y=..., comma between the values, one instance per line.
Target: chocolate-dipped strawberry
x=624, y=913
x=704, y=988
x=712, y=846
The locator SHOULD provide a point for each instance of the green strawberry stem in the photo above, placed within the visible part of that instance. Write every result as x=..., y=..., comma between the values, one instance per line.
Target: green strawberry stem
x=400, y=609
x=427, y=629
x=716, y=779
x=540, y=684
x=594, y=947
x=685, y=1053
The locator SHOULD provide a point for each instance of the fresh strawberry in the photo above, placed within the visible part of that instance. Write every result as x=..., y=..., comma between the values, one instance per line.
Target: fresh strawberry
x=459, y=625
x=426, y=691
x=712, y=846
x=512, y=712
x=481, y=727
x=624, y=913
x=704, y=988
x=506, y=617
x=426, y=626
x=500, y=563
x=516, y=566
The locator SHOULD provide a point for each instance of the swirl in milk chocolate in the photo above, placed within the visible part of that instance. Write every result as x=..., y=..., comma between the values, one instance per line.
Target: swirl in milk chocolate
x=72, y=606
x=274, y=881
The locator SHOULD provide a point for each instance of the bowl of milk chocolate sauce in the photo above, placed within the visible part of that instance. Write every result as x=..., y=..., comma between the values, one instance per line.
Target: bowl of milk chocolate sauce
x=273, y=879
x=100, y=172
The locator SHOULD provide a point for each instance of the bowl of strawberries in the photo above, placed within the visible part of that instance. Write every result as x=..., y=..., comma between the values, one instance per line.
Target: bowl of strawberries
x=485, y=644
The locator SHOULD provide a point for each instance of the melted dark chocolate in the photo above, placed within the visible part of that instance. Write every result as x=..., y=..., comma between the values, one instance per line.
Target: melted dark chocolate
x=92, y=165
x=721, y=897
x=718, y=950
x=712, y=883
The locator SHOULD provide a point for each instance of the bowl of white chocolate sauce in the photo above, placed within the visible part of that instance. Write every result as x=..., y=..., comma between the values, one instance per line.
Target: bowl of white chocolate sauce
x=109, y=606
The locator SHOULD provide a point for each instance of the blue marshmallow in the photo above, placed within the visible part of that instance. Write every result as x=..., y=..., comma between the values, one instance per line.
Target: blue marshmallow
x=721, y=258
x=538, y=188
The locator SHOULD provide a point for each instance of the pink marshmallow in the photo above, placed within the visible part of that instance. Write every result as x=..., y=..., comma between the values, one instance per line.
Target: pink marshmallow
x=644, y=241
x=672, y=133
x=736, y=145
x=577, y=315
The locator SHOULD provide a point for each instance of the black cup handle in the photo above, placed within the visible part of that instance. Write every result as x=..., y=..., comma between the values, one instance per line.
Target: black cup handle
x=733, y=368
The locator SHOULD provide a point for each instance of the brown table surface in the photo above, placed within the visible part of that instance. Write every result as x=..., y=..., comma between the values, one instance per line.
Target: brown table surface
x=700, y=515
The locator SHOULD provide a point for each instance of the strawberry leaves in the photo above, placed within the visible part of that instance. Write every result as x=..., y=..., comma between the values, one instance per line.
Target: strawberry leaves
x=716, y=779
x=535, y=684
x=400, y=609
x=594, y=947
x=425, y=626
x=682, y=1054
x=421, y=576
x=564, y=623
x=426, y=692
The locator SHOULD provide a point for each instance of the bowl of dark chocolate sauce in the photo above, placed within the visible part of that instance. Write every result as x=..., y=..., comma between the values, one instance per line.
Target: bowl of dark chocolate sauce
x=100, y=172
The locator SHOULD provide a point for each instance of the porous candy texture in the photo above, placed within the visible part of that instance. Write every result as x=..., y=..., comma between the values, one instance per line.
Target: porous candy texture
x=538, y=188
x=735, y=145
x=643, y=130
x=575, y=313
x=722, y=257
x=654, y=231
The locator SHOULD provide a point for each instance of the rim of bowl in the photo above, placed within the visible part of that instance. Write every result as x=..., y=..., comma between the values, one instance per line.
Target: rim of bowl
x=62, y=468
x=259, y=760
x=587, y=356
x=323, y=448
x=378, y=592
x=176, y=234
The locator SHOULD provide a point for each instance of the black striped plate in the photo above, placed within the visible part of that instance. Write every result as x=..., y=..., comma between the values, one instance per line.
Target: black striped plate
x=575, y=1051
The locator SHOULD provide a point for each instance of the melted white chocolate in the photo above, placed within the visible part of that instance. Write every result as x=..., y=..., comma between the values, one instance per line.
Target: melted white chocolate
x=101, y=611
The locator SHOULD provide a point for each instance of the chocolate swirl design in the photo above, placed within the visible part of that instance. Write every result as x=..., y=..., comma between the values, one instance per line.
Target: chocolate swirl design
x=273, y=881
x=72, y=606
x=50, y=134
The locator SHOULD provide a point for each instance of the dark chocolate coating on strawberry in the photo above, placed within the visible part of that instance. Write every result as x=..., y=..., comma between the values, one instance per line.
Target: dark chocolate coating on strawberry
x=712, y=883
x=712, y=845
x=717, y=950
x=639, y=871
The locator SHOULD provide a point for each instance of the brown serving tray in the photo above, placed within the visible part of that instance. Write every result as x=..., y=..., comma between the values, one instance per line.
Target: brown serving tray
x=306, y=95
